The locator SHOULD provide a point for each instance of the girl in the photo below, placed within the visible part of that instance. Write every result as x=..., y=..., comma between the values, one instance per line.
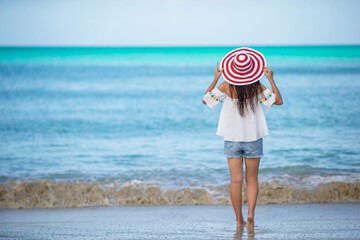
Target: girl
x=242, y=124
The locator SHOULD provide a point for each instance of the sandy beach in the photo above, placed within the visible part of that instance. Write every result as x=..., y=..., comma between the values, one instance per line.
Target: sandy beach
x=280, y=221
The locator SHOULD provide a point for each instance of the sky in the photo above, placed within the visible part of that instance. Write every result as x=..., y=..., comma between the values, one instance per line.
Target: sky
x=178, y=22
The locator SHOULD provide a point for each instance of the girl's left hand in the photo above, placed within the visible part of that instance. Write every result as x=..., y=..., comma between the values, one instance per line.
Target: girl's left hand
x=217, y=71
x=216, y=78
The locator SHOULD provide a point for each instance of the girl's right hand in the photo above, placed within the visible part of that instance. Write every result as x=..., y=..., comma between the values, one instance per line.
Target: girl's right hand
x=268, y=73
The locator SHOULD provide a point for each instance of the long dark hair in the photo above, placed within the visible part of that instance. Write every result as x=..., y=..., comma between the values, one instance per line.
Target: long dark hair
x=247, y=95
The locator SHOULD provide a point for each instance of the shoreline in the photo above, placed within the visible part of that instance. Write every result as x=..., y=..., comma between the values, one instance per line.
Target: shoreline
x=286, y=221
x=51, y=194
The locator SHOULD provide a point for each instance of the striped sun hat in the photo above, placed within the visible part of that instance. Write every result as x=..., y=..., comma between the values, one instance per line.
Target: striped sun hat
x=243, y=66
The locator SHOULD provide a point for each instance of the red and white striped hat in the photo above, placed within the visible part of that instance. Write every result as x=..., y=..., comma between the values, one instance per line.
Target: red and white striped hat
x=243, y=66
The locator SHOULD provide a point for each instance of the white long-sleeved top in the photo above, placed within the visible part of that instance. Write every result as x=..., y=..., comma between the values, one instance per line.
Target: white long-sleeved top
x=234, y=127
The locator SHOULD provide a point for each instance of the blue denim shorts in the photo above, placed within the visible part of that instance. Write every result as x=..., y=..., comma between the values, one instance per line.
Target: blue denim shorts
x=252, y=149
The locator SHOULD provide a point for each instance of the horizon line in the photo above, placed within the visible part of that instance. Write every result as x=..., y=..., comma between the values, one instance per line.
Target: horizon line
x=177, y=46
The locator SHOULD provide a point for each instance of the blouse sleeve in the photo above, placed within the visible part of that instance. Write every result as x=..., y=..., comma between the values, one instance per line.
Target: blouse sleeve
x=268, y=98
x=214, y=97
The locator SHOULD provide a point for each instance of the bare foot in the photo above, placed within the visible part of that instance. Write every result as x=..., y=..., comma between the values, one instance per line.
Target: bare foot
x=250, y=225
x=240, y=223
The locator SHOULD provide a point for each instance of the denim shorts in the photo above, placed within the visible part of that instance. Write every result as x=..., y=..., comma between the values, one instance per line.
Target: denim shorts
x=252, y=149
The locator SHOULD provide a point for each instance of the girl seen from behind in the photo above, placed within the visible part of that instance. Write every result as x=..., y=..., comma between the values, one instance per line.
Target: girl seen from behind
x=242, y=122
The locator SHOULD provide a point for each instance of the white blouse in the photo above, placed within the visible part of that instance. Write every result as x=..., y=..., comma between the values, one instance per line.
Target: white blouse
x=234, y=127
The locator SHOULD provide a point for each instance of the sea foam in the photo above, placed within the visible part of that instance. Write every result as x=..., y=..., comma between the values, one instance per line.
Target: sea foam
x=51, y=194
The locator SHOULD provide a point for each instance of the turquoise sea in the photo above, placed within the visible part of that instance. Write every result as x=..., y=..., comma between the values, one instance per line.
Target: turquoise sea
x=133, y=118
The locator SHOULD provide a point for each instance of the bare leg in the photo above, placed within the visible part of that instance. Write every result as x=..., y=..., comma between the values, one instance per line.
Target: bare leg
x=236, y=172
x=252, y=170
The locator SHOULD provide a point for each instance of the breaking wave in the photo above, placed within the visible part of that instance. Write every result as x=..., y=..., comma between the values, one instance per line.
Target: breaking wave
x=53, y=194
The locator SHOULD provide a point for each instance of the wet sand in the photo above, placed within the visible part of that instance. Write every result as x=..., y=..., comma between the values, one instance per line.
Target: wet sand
x=278, y=221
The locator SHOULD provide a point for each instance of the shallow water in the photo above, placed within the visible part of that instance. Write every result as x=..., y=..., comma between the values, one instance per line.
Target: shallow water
x=306, y=221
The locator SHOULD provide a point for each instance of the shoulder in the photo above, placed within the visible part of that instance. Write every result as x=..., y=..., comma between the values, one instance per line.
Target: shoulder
x=224, y=86
x=262, y=88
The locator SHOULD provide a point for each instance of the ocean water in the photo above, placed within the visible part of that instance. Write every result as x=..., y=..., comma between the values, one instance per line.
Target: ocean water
x=90, y=126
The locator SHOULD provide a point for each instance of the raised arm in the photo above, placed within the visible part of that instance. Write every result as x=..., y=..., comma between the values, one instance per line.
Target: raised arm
x=214, y=82
x=217, y=75
x=270, y=76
